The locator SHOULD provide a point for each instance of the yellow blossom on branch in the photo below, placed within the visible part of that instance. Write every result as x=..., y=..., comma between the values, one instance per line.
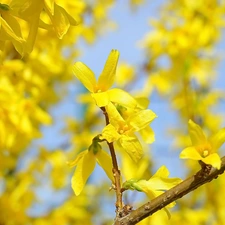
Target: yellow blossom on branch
x=30, y=11
x=85, y=164
x=155, y=186
x=10, y=29
x=100, y=89
x=203, y=148
x=122, y=131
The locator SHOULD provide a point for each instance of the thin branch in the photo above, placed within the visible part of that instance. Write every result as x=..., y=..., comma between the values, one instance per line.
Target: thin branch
x=115, y=170
x=200, y=178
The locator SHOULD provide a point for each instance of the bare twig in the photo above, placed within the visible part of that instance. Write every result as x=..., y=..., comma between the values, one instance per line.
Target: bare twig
x=116, y=171
x=200, y=178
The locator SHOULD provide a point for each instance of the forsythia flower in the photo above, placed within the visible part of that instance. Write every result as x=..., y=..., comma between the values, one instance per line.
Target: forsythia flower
x=202, y=148
x=31, y=12
x=10, y=29
x=122, y=131
x=100, y=89
x=85, y=164
x=155, y=186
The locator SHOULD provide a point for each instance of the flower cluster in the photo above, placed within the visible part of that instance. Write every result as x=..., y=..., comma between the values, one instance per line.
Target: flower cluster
x=122, y=127
x=30, y=12
x=202, y=148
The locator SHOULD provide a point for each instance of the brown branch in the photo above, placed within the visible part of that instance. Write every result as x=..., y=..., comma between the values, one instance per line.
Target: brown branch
x=200, y=178
x=115, y=170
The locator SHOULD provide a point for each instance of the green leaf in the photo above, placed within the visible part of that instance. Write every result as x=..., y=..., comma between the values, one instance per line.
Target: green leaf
x=4, y=7
x=131, y=185
x=95, y=147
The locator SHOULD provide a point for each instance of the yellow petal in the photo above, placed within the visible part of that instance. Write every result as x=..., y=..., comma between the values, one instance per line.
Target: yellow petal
x=114, y=116
x=213, y=159
x=121, y=97
x=132, y=146
x=110, y=133
x=145, y=187
x=77, y=159
x=84, y=168
x=161, y=172
x=84, y=75
x=196, y=134
x=101, y=98
x=59, y=20
x=142, y=185
x=105, y=161
x=27, y=9
x=190, y=153
x=42, y=116
x=26, y=125
x=167, y=211
x=32, y=34
x=11, y=28
x=49, y=4
x=141, y=119
x=156, y=185
x=151, y=193
x=218, y=139
x=142, y=102
x=71, y=20
x=2, y=46
x=107, y=77
x=163, y=183
x=148, y=135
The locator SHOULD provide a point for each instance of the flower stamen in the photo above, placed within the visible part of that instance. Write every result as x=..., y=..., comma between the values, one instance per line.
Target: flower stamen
x=205, y=153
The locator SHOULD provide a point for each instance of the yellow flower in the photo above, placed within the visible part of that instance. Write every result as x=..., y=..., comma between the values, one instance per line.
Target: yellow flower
x=10, y=29
x=202, y=148
x=85, y=164
x=122, y=131
x=126, y=74
x=100, y=89
x=155, y=186
x=31, y=12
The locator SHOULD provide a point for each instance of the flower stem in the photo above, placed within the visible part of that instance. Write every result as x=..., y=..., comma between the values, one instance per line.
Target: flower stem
x=115, y=170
